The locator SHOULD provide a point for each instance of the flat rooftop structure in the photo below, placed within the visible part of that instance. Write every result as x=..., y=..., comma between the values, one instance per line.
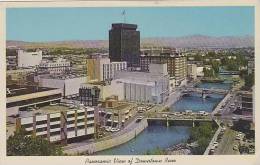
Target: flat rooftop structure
x=63, y=76
x=61, y=107
x=18, y=90
x=122, y=106
x=162, y=55
x=124, y=26
x=45, y=110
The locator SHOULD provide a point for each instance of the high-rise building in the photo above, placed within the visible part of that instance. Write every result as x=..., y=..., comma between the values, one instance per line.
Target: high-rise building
x=101, y=69
x=192, y=71
x=176, y=64
x=124, y=44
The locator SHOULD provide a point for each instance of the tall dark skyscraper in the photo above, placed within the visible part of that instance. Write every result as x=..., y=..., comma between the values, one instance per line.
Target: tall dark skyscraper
x=124, y=44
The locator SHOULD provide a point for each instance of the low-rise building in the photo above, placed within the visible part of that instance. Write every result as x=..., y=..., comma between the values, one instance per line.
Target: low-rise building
x=251, y=66
x=89, y=95
x=150, y=87
x=57, y=66
x=19, y=75
x=68, y=83
x=20, y=98
x=29, y=59
x=115, y=114
x=247, y=102
x=59, y=123
x=200, y=72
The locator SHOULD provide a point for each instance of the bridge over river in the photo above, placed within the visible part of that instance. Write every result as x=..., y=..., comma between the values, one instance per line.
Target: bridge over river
x=205, y=91
x=177, y=119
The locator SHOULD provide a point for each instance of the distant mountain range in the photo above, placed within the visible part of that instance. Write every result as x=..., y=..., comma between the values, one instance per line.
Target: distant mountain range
x=194, y=41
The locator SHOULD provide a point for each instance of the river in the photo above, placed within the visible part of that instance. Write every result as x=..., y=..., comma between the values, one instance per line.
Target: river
x=152, y=137
x=162, y=136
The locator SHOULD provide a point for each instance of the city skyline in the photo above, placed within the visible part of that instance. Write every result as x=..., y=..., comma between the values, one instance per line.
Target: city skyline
x=60, y=24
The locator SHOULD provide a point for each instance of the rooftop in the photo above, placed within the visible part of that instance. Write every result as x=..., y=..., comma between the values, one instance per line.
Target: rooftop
x=124, y=26
x=17, y=90
x=50, y=109
x=122, y=107
x=62, y=76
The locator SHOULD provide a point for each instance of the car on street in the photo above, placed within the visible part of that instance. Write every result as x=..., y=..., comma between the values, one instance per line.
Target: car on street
x=235, y=147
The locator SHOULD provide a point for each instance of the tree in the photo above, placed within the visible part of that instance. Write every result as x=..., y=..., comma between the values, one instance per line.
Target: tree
x=202, y=134
x=156, y=151
x=249, y=80
x=21, y=145
x=215, y=66
x=208, y=72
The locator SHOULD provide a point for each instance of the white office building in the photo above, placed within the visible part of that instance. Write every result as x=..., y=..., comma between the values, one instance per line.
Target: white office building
x=192, y=71
x=149, y=87
x=29, y=59
x=101, y=69
x=69, y=84
x=110, y=69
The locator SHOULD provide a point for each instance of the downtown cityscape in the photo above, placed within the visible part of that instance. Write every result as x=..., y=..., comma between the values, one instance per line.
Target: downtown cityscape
x=140, y=89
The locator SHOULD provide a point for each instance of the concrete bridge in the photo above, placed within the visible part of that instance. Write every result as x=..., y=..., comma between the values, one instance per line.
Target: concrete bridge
x=205, y=92
x=184, y=120
x=229, y=72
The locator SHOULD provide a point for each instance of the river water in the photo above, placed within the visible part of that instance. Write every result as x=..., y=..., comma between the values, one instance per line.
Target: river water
x=196, y=103
x=151, y=138
x=164, y=137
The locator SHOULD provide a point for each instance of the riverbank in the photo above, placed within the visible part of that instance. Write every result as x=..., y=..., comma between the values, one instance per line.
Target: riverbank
x=89, y=148
x=179, y=149
x=212, y=80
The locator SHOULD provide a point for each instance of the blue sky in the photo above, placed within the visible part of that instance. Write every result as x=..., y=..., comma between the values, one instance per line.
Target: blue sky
x=56, y=24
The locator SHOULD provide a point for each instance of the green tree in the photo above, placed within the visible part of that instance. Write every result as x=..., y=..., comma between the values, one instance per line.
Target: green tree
x=215, y=66
x=21, y=145
x=208, y=72
x=156, y=151
x=202, y=134
x=249, y=81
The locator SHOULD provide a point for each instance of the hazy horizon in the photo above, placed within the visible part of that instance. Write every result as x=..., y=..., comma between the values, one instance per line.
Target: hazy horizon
x=140, y=38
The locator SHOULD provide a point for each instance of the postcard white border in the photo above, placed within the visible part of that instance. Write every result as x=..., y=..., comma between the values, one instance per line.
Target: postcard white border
x=80, y=160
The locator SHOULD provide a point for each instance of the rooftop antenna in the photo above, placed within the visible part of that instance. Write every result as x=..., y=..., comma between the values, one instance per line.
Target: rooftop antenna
x=124, y=15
